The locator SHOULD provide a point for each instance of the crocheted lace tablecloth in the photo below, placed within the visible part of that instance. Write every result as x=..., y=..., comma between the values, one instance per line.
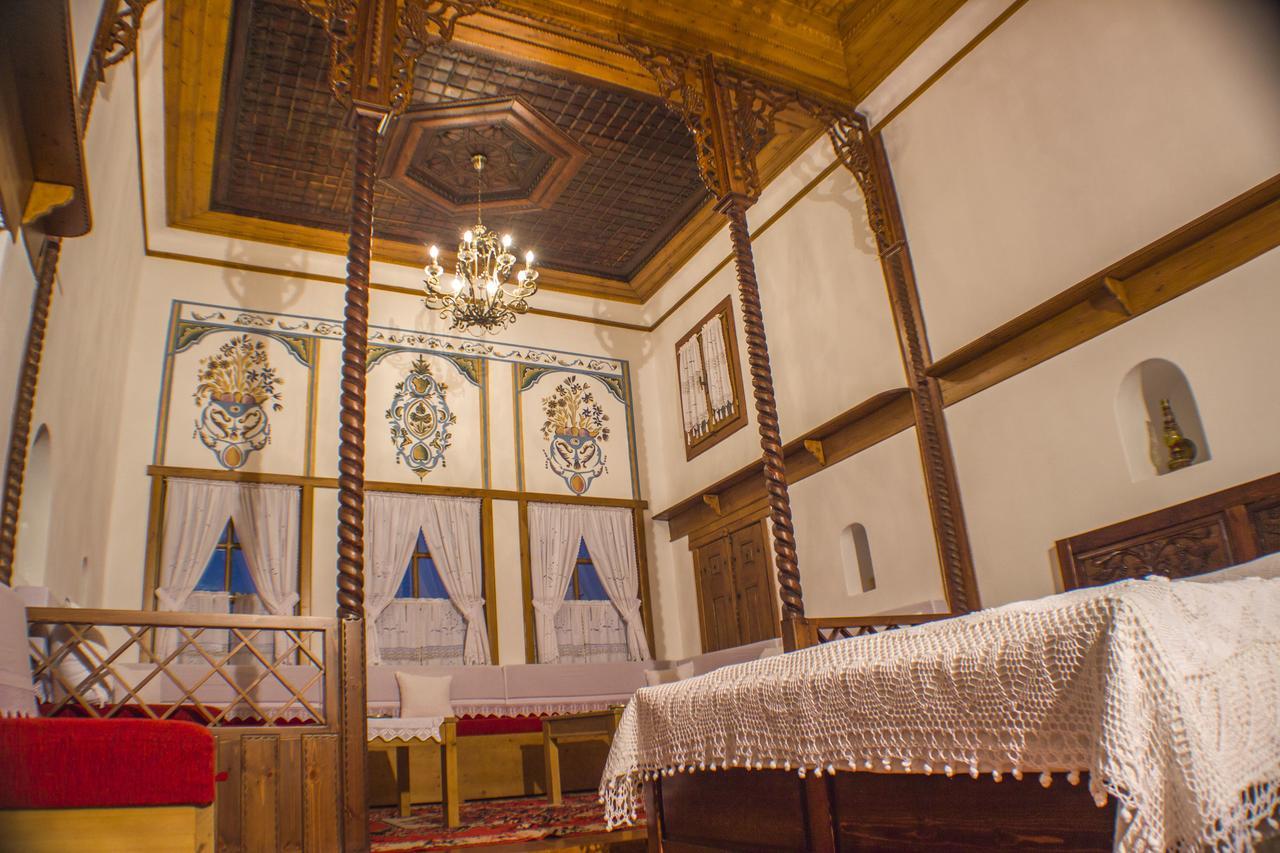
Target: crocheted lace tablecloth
x=1168, y=693
x=405, y=728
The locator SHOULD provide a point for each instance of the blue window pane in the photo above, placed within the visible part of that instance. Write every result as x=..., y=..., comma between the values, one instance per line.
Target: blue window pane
x=589, y=587
x=214, y=575
x=589, y=584
x=240, y=579
x=429, y=583
x=406, y=586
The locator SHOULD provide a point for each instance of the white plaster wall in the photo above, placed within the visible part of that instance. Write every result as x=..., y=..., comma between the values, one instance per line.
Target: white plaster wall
x=881, y=488
x=1075, y=134
x=1040, y=455
x=84, y=368
x=508, y=577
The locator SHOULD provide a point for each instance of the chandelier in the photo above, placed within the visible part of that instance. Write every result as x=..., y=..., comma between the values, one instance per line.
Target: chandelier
x=481, y=295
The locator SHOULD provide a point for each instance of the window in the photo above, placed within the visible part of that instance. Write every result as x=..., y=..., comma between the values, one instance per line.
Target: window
x=421, y=580
x=227, y=570
x=709, y=377
x=585, y=584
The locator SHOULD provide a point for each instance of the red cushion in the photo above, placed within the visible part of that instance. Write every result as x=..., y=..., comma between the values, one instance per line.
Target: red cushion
x=68, y=763
x=498, y=725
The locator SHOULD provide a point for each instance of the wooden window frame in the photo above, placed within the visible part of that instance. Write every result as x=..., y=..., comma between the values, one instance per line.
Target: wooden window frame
x=415, y=581
x=526, y=565
x=719, y=430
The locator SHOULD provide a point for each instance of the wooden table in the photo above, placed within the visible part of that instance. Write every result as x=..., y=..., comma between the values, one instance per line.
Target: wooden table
x=573, y=728
x=450, y=798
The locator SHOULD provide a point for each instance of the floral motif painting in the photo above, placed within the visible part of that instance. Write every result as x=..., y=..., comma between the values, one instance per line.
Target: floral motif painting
x=576, y=426
x=234, y=385
x=420, y=419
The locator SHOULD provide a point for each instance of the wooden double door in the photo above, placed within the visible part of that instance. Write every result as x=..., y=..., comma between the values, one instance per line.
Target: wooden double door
x=736, y=599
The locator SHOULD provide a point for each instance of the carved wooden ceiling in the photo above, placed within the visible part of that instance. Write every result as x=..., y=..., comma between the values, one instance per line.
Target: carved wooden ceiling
x=586, y=165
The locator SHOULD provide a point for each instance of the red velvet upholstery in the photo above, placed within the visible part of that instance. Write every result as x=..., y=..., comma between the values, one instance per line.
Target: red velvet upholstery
x=498, y=725
x=69, y=763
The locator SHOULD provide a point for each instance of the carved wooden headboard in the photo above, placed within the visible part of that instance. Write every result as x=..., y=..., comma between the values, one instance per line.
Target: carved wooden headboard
x=1202, y=535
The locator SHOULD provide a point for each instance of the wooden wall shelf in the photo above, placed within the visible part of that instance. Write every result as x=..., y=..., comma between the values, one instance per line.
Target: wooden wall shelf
x=870, y=422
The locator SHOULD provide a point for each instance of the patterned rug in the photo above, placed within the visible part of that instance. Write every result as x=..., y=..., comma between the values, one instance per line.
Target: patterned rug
x=485, y=822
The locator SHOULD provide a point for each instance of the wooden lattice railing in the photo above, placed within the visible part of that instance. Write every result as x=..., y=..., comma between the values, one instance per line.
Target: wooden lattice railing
x=220, y=670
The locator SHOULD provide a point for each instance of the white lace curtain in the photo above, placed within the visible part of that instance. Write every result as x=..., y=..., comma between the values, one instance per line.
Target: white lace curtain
x=554, y=533
x=706, y=386
x=590, y=632
x=266, y=518
x=716, y=359
x=452, y=530
x=693, y=400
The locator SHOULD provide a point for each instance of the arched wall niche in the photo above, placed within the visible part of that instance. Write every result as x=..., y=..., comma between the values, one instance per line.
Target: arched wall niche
x=31, y=562
x=855, y=558
x=1141, y=420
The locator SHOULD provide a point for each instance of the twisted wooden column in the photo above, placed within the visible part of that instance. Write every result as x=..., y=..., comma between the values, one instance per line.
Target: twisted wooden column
x=355, y=346
x=23, y=405
x=734, y=206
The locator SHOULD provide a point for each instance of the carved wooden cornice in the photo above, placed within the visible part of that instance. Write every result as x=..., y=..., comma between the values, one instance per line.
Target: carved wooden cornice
x=732, y=115
x=374, y=45
x=116, y=38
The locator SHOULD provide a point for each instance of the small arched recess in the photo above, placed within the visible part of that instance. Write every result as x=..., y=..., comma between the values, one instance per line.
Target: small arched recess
x=32, y=559
x=1141, y=419
x=855, y=559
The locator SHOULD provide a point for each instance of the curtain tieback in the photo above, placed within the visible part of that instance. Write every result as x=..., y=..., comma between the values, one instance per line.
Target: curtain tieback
x=547, y=606
x=629, y=609
x=473, y=612
x=168, y=599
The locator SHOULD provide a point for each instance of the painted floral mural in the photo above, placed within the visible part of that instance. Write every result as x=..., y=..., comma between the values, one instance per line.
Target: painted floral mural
x=420, y=419
x=233, y=387
x=576, y=426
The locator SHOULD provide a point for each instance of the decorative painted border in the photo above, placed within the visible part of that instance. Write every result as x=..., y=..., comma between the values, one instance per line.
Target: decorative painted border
x=388, y=336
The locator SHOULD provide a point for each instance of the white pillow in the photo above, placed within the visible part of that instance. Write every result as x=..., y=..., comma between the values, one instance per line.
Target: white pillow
x=424, y=695
x=655, y=677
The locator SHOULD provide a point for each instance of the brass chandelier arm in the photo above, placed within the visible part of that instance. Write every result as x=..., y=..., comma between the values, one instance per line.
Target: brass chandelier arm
x=481, y=296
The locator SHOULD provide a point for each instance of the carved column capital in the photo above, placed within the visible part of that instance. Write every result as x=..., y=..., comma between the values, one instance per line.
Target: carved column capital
x=375, y=45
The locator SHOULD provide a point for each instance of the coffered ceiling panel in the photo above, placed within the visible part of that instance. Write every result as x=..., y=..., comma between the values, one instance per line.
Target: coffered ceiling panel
x=593, y=178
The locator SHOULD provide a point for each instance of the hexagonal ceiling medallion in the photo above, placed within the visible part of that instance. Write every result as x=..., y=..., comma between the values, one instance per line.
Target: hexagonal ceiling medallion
x=530, y=161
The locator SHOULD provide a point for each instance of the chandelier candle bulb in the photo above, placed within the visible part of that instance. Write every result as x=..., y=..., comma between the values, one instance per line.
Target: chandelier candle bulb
x=482, y=296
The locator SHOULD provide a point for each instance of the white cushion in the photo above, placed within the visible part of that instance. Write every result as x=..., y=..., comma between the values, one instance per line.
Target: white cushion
x=654, y=677
x=424, y=695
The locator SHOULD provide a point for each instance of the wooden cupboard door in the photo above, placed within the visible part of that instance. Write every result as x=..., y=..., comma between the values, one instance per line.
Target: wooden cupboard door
x=757, y=619
x=717, y=590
